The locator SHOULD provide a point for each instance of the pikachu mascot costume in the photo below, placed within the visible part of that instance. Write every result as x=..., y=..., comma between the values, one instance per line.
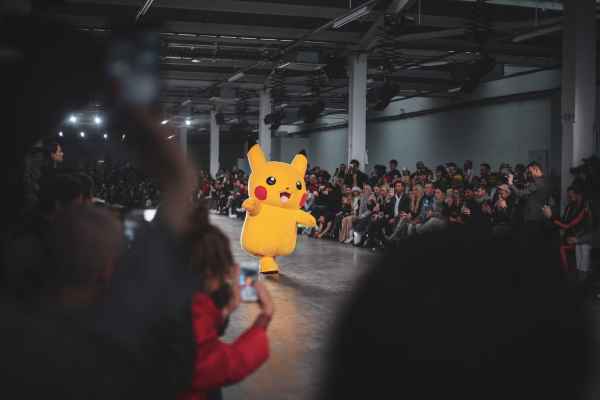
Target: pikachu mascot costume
x=277, y=193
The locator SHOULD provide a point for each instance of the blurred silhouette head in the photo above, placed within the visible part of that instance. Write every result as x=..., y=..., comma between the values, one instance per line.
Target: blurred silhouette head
x=83, y=244
x=432, y=320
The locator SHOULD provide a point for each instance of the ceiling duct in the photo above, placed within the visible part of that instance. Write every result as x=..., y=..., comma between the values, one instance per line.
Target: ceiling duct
x=471, y=74
x=381, y=96
x=310, y=113
x=304, y=61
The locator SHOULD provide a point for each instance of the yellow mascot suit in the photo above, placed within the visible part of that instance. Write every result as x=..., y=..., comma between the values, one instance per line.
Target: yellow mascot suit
x=277, y=193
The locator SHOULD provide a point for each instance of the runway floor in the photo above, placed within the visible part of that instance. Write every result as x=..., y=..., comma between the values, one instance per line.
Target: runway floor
x=313, y=282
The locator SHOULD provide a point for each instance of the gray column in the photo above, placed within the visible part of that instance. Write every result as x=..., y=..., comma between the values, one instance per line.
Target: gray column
x=183, y=140
x=578, y=86
x=264, y=130
x=215, y=134
x=357, y=109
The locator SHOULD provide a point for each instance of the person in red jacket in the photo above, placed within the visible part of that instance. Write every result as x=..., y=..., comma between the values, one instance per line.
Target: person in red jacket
x=218, y=363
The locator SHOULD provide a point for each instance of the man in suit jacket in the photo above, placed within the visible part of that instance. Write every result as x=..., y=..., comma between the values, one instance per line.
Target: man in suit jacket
x=397, y=206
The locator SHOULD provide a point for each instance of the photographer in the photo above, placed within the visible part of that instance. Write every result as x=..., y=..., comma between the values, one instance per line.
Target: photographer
x=576, y=226
x=534, y=196
x=503, y=213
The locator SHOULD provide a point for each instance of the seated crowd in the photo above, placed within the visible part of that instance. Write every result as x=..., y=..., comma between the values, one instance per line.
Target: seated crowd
x=382, y=209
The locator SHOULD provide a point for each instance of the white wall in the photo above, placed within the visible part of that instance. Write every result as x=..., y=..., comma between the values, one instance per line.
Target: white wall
x=493, y=133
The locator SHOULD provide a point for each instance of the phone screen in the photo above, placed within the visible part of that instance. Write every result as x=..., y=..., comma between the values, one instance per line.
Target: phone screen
x=248, y=276
x=134, y=68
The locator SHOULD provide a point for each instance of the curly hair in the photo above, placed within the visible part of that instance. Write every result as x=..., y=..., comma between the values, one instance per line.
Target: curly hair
x=211, y=255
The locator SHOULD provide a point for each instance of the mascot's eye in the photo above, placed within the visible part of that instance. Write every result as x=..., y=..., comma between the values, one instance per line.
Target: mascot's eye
x=299, y=185
x=271, y=180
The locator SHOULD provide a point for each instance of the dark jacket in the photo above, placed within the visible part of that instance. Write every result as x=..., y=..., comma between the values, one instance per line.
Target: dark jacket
x=404, y=205
x=533, y=197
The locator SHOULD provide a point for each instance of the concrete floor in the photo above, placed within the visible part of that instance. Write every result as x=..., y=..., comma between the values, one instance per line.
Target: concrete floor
x=307, y=294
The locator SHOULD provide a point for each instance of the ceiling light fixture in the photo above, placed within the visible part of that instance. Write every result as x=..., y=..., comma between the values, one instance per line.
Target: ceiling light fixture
x=195, y=60
x=170, y=137
x=353, y=16
x=188, y=122
x=60, y=134
x=73, y=119
x=540, y=32
x=164, y=122
x=435, y=63
x=97, y=120
x=105, y=136
x=236, y=77
x=82, y=134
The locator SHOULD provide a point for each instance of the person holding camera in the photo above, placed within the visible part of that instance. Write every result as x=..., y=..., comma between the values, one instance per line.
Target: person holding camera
x=534, y=196
x=219, y=363
x=503, y=212
x=576, y=225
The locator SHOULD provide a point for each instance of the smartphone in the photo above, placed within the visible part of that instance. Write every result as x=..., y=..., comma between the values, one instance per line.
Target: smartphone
x=248, y=276
x=133, y=67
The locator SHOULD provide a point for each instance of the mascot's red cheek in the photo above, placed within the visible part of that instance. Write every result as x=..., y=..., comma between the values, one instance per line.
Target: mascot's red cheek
x=303, y=200
x=260, y=193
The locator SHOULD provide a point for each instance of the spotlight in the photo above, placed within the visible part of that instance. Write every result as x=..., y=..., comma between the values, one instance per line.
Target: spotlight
x=97, y=120
x=188, y=122
x=60, y=134
x=170, y=137
x=123, y=137
x=105, y=136
x=73, y=119
x=164, y=122
x=82, y=134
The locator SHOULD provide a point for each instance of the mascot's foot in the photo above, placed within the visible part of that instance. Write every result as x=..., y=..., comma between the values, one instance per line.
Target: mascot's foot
x=268, y=266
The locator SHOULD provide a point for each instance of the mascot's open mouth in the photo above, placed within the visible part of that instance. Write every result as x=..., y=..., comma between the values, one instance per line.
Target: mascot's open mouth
x=285, y=196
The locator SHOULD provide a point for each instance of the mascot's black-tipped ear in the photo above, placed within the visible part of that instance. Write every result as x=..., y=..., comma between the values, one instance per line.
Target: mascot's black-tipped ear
x=300, y=162
x=256, y=157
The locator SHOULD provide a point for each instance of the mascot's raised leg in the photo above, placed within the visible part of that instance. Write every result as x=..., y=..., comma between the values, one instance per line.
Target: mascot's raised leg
x=268, y=265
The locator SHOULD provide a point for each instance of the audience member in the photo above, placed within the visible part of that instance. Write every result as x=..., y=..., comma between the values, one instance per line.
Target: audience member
x=475, y=332
x=218, y=363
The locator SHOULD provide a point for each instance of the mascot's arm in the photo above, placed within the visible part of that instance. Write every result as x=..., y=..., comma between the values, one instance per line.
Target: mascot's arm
x=305, y=219
x=252, y=206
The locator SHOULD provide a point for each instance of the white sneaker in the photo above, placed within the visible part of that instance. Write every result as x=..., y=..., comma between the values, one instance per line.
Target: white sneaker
x=349, y=240
x=357, y=238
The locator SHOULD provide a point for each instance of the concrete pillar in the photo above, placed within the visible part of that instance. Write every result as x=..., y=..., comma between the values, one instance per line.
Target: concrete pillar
x=578, y=86
x=264, y=130
x=357, y=109
x=215, y=137
x=183, y=140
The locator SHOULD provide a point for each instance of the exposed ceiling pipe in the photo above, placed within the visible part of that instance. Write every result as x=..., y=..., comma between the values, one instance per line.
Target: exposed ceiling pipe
x=288, y=49
x=540, y=32
x=143, y=10
x=543, y=4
